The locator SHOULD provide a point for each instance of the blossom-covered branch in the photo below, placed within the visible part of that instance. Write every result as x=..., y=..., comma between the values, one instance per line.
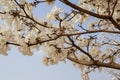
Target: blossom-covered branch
x=88, y=34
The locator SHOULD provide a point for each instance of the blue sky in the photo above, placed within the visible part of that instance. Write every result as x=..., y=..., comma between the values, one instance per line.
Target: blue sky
x=15, y=66
x=19, y=67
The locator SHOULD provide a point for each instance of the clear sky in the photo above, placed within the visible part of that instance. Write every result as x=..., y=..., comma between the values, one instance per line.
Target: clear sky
x=15, y=66
x=19, y=67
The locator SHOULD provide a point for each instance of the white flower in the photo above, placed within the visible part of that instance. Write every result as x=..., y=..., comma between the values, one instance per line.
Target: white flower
x=49, y=50
x=95, y=51
x=85, y=76
x=82, y=42
x=56, y=10
x=52, y=14
x=45, y=61
x=91, y=26
x=30, y=36
x=53, y=61
x=22, y=1
x=28, y=9
x=3, y=46
x=25, y=50
x=3, y=49
x=68, y=24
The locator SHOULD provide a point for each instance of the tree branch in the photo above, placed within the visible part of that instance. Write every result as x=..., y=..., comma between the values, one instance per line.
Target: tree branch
x=84, y=52
x=84, y=10
x=98, y=64
x=28, y=16
x=109, y=17
x=114, y=7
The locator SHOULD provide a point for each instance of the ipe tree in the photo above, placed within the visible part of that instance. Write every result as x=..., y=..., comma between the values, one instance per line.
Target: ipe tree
x=88, y=35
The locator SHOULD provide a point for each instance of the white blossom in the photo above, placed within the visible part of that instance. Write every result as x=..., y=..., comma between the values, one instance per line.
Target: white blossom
x=55, y=11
